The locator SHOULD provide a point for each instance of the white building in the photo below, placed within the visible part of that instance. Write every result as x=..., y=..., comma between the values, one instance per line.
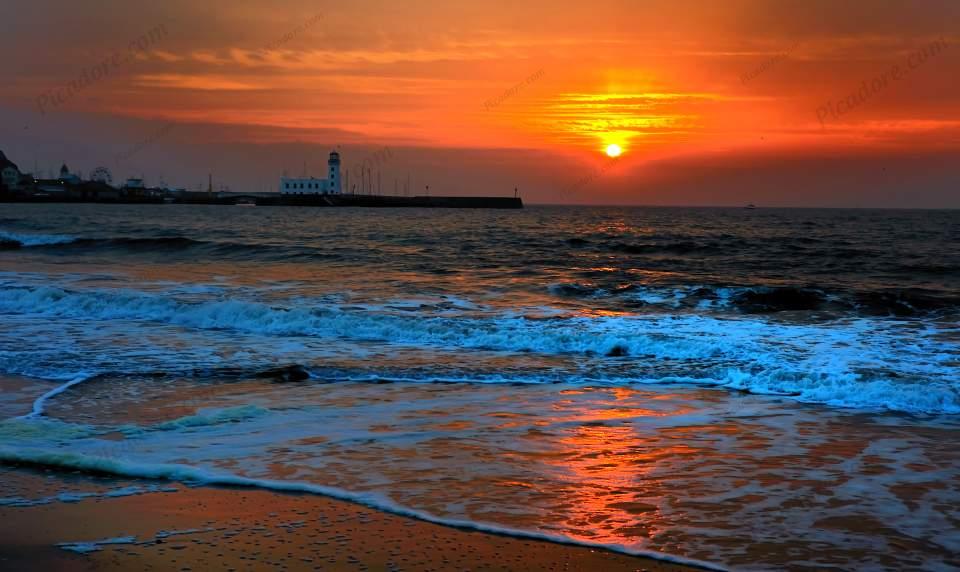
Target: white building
x=313, y=186
x=310, y=186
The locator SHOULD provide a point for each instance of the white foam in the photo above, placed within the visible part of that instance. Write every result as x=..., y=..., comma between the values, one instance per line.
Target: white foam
x=864, y=362
x=27, y=428
x=40, y=403
x=78, y=496
x=220, y=416
x=194, y=475
x=183, y=532
x=126, y=492
x=94, y=546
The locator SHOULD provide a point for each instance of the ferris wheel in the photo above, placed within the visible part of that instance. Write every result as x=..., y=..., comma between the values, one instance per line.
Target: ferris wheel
x=101, y=175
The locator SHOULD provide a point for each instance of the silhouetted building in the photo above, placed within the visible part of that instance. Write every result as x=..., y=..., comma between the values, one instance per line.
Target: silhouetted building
x=133, y=183
x=9, y=173
x=67, y=177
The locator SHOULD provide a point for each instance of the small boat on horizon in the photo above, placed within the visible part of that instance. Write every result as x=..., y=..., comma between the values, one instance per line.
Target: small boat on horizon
x=750, y=207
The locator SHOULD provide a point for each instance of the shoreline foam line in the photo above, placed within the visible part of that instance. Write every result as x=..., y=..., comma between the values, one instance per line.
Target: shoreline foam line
x=191, y=475
x=38, y=404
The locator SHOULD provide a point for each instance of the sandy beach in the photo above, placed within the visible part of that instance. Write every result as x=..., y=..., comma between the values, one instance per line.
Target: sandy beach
x=184, y=528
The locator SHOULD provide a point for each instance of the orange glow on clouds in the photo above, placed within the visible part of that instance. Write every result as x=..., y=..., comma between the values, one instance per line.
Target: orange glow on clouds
x=662, y=80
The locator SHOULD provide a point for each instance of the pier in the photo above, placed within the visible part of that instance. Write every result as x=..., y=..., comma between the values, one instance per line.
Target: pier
x=386, y=201
x=273, y=200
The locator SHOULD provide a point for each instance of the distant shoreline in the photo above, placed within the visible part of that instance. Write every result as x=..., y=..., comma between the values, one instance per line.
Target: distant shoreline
x=398, y=202
x=330, y=200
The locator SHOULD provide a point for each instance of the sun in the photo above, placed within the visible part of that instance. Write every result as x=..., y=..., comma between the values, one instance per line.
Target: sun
x=613, y=150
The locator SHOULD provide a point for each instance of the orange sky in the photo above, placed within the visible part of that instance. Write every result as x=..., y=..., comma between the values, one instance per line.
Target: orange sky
x=712, y=102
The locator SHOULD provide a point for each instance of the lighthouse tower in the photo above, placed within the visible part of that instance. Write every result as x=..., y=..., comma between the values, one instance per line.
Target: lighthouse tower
x=333, y=177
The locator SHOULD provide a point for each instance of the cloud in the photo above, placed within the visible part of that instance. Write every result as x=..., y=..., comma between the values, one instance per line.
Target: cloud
x=194, y=82
x=662, y=78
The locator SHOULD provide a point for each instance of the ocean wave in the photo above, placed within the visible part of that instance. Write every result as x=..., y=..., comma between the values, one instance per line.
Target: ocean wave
x=141, y=243
x=195, y=476
x=680, y=247
x=907, y=366
x=13, y=240
x=768, y=299
x=640, y=336
x=23, y=240
x=174, y=244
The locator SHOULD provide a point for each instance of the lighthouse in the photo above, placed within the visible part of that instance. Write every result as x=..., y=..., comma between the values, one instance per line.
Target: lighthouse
x=333, y=176
x=312, y=185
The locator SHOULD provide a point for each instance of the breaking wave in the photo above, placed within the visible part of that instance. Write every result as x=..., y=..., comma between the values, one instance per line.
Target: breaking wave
x=171, y=245
x=862, y=362
x=769, y=299
x=14, y=240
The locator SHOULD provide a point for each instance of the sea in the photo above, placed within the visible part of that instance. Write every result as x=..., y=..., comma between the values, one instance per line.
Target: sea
x=746, y=389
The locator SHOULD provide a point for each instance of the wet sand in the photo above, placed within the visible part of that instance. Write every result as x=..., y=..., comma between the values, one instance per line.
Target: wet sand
x=18, y=393
x=208, y=528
